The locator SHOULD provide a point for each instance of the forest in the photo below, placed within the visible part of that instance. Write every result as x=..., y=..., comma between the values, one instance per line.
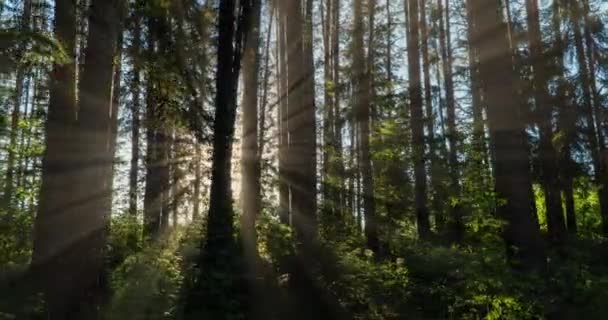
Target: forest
x=303, y=159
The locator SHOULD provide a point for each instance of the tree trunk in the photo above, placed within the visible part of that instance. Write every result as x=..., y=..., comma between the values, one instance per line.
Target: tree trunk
x=157, y=135
x=250, y=161
x=548, y=156
x=416, y=119
x=69, y=244
x=456, y=231
x=362, y=110
x=525, y=249
x=428, y=103
x=196, y=196
x=51, y=242
x=479, y=141
x=135, y=85
x=595, y=141
x=284, y=144
x=330, y=204
x=566, y=122
x=9, y=185
x=302, y=156
x=600, y=116
x=218, y=247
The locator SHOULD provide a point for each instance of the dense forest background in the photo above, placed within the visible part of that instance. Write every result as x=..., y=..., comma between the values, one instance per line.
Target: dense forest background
x=303, y=159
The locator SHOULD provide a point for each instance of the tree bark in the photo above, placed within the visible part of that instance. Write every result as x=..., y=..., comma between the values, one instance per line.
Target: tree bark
x=9, y=183
x=362, y=110
x=525, y=249
x=250, y=161
x=456, y=231
x=302, y=156
x=566, y=122
x=157, y=137
x=284, y=144
x=477, y=103
x=76, y=194
x=599, y=114
x=416, y=120
x=135, y=85
x=594, y=139
x=196, y=196
x=548, y=156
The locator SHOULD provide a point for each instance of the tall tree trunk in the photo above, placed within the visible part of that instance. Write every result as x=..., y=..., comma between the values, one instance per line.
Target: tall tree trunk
x=135, y=85
x=338, y=120
x=429, y=117
x=548, y=156
x=75, y=196
x=599, y=113
x=479, y=144
x=51, y=242
x=218, y=247
x=250, y=161
x=30, y=90
x=566, y=121
x=156, y=197
x=302, y=156
x=116, y=96
x=196, y=196
x=416, y=120
x=525, y=249
x=330, y=203
x=362, y=110
x=264, y=98
x=595, y=141
x=592, y=60
x=9, y=185
x=456, y=224
x=284, y=150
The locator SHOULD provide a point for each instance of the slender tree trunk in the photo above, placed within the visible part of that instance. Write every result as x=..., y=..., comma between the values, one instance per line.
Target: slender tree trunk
x=549, y=169
x=599, y=113
x=595, y=141
x=425, y=34
x=218, y=247
x=479, y=144
x=165, y=178
x=456, y=224
x=340, y=194
x=362, y=110
x=135, y=85
x=250, y=161
x=30, y=90
x=525, y=249
x=566, y=123
x=175, y=177
x=284, y=144
x=153, y=191
x=264, y=99
x=156, y=197
x=9, y=185
x=416, y=120
x=302, y=155
x=196, y=196
x=330, y=202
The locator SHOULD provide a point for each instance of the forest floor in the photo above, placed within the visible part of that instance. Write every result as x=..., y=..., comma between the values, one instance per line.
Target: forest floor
x=417, y=280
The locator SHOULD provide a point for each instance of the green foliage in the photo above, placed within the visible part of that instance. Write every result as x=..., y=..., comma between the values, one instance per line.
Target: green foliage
x=367, y=289
x=587, y=207
x=39, y=48
x=15, y=239
x=276, y=241
x=148, y=282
